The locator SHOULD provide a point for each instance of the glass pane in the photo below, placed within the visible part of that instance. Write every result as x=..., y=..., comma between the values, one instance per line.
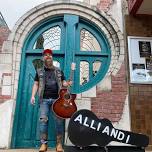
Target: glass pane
x=88, y=42
x=56, y=63
x=49, y=39
x=96, y=67
x=38, y=63
x=84, y=72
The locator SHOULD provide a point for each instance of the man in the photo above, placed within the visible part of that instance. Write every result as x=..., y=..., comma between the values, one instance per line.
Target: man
x=48, y=81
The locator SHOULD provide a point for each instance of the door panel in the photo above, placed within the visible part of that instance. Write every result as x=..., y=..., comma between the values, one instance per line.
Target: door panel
x=28, y=125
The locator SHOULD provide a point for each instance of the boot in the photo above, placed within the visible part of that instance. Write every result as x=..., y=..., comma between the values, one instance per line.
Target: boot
x=59, y=147
x=43, y=148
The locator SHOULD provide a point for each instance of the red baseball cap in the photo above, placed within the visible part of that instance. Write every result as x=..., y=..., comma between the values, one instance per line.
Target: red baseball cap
x=47, y=51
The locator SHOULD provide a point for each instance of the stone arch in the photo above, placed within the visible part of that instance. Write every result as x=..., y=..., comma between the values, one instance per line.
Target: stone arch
x=32, y=18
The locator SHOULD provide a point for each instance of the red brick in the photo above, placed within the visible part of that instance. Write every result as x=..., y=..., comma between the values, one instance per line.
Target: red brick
x=4, y=98
x=110, y=104
x=4, y=32
x=104, y=4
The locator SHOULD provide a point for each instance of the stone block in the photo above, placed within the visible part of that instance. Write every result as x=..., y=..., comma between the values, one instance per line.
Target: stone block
x=105, y=84
x=6, y=90
x=6, y=80
x=90, y=93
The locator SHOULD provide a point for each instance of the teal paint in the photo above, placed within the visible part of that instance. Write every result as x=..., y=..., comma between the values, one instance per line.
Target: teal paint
x=24, y=135
x=70, y=23
x=103, y=55
x=27, y=134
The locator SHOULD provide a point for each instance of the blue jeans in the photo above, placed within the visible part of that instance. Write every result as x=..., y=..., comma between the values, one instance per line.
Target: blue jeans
x=45, y=110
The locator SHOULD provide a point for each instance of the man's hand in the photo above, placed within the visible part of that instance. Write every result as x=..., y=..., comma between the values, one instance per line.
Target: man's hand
x=34, y=90
x=70, y=83
x=67, y=83
x=33, y=100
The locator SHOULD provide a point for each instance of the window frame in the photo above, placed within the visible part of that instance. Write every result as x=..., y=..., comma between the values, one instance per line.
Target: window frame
x=104, y=56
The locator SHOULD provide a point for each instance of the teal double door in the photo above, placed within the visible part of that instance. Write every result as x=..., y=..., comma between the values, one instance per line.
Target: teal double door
x=66, y=35
x=26, y=120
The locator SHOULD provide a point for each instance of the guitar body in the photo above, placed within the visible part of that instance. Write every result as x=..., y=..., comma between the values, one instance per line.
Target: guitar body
x=64, y=107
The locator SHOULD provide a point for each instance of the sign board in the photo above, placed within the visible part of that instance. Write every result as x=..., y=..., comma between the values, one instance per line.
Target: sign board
x=140, y=59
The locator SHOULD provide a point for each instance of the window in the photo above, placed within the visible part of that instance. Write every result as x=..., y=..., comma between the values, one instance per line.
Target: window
x=88, y=41
x=49, y=39
x=72, y=39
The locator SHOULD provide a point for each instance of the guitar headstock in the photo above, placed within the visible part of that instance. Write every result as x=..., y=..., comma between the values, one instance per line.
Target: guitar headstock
x=73, y=65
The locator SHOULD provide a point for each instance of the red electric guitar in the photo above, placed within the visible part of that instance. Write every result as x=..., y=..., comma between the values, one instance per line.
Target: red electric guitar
x=65, y=106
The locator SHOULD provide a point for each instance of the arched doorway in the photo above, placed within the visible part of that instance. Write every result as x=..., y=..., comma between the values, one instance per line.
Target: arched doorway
x=72, y=38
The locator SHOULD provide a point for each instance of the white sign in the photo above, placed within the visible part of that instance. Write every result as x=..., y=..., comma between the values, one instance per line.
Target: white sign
x=140, y=59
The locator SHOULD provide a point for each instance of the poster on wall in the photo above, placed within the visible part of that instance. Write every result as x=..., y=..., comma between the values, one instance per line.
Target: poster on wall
x=144, y=48
x=140, y=59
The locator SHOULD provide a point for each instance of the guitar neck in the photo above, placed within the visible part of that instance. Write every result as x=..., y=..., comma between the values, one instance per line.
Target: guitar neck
x=72, y=71
x=71, y=75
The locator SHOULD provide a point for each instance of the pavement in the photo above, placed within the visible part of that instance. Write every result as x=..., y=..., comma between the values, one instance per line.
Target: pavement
x=31, y=150
x=24, y=150
x=36, y=150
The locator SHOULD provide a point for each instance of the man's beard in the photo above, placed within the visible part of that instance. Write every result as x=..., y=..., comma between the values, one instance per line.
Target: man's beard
x=48, y=63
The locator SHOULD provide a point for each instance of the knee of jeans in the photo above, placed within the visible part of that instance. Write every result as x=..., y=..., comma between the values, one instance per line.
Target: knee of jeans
x=59, y=131
x=43, y=118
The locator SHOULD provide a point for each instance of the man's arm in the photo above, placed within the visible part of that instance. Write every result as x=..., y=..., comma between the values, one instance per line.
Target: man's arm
x=64, y=82
x=34, y=91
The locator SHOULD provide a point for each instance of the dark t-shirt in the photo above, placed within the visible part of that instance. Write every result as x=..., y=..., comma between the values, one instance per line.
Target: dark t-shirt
x=51, y=87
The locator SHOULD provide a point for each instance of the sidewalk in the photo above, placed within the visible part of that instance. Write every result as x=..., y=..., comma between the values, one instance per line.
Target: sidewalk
x=36, y=150
x=31, y=150
x=24, y=150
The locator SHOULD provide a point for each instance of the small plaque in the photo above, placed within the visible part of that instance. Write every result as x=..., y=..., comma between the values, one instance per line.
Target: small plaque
x=144, y=49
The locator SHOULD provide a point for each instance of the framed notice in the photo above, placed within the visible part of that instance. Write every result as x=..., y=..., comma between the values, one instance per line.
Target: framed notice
x=144, y=48
x=140, y=59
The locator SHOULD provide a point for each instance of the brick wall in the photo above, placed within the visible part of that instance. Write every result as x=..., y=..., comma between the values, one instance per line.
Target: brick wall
x=104, y=5
x=109, y=104
x=4, y=32
x=139, y=25
x=140, y=95
x=4, y=86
